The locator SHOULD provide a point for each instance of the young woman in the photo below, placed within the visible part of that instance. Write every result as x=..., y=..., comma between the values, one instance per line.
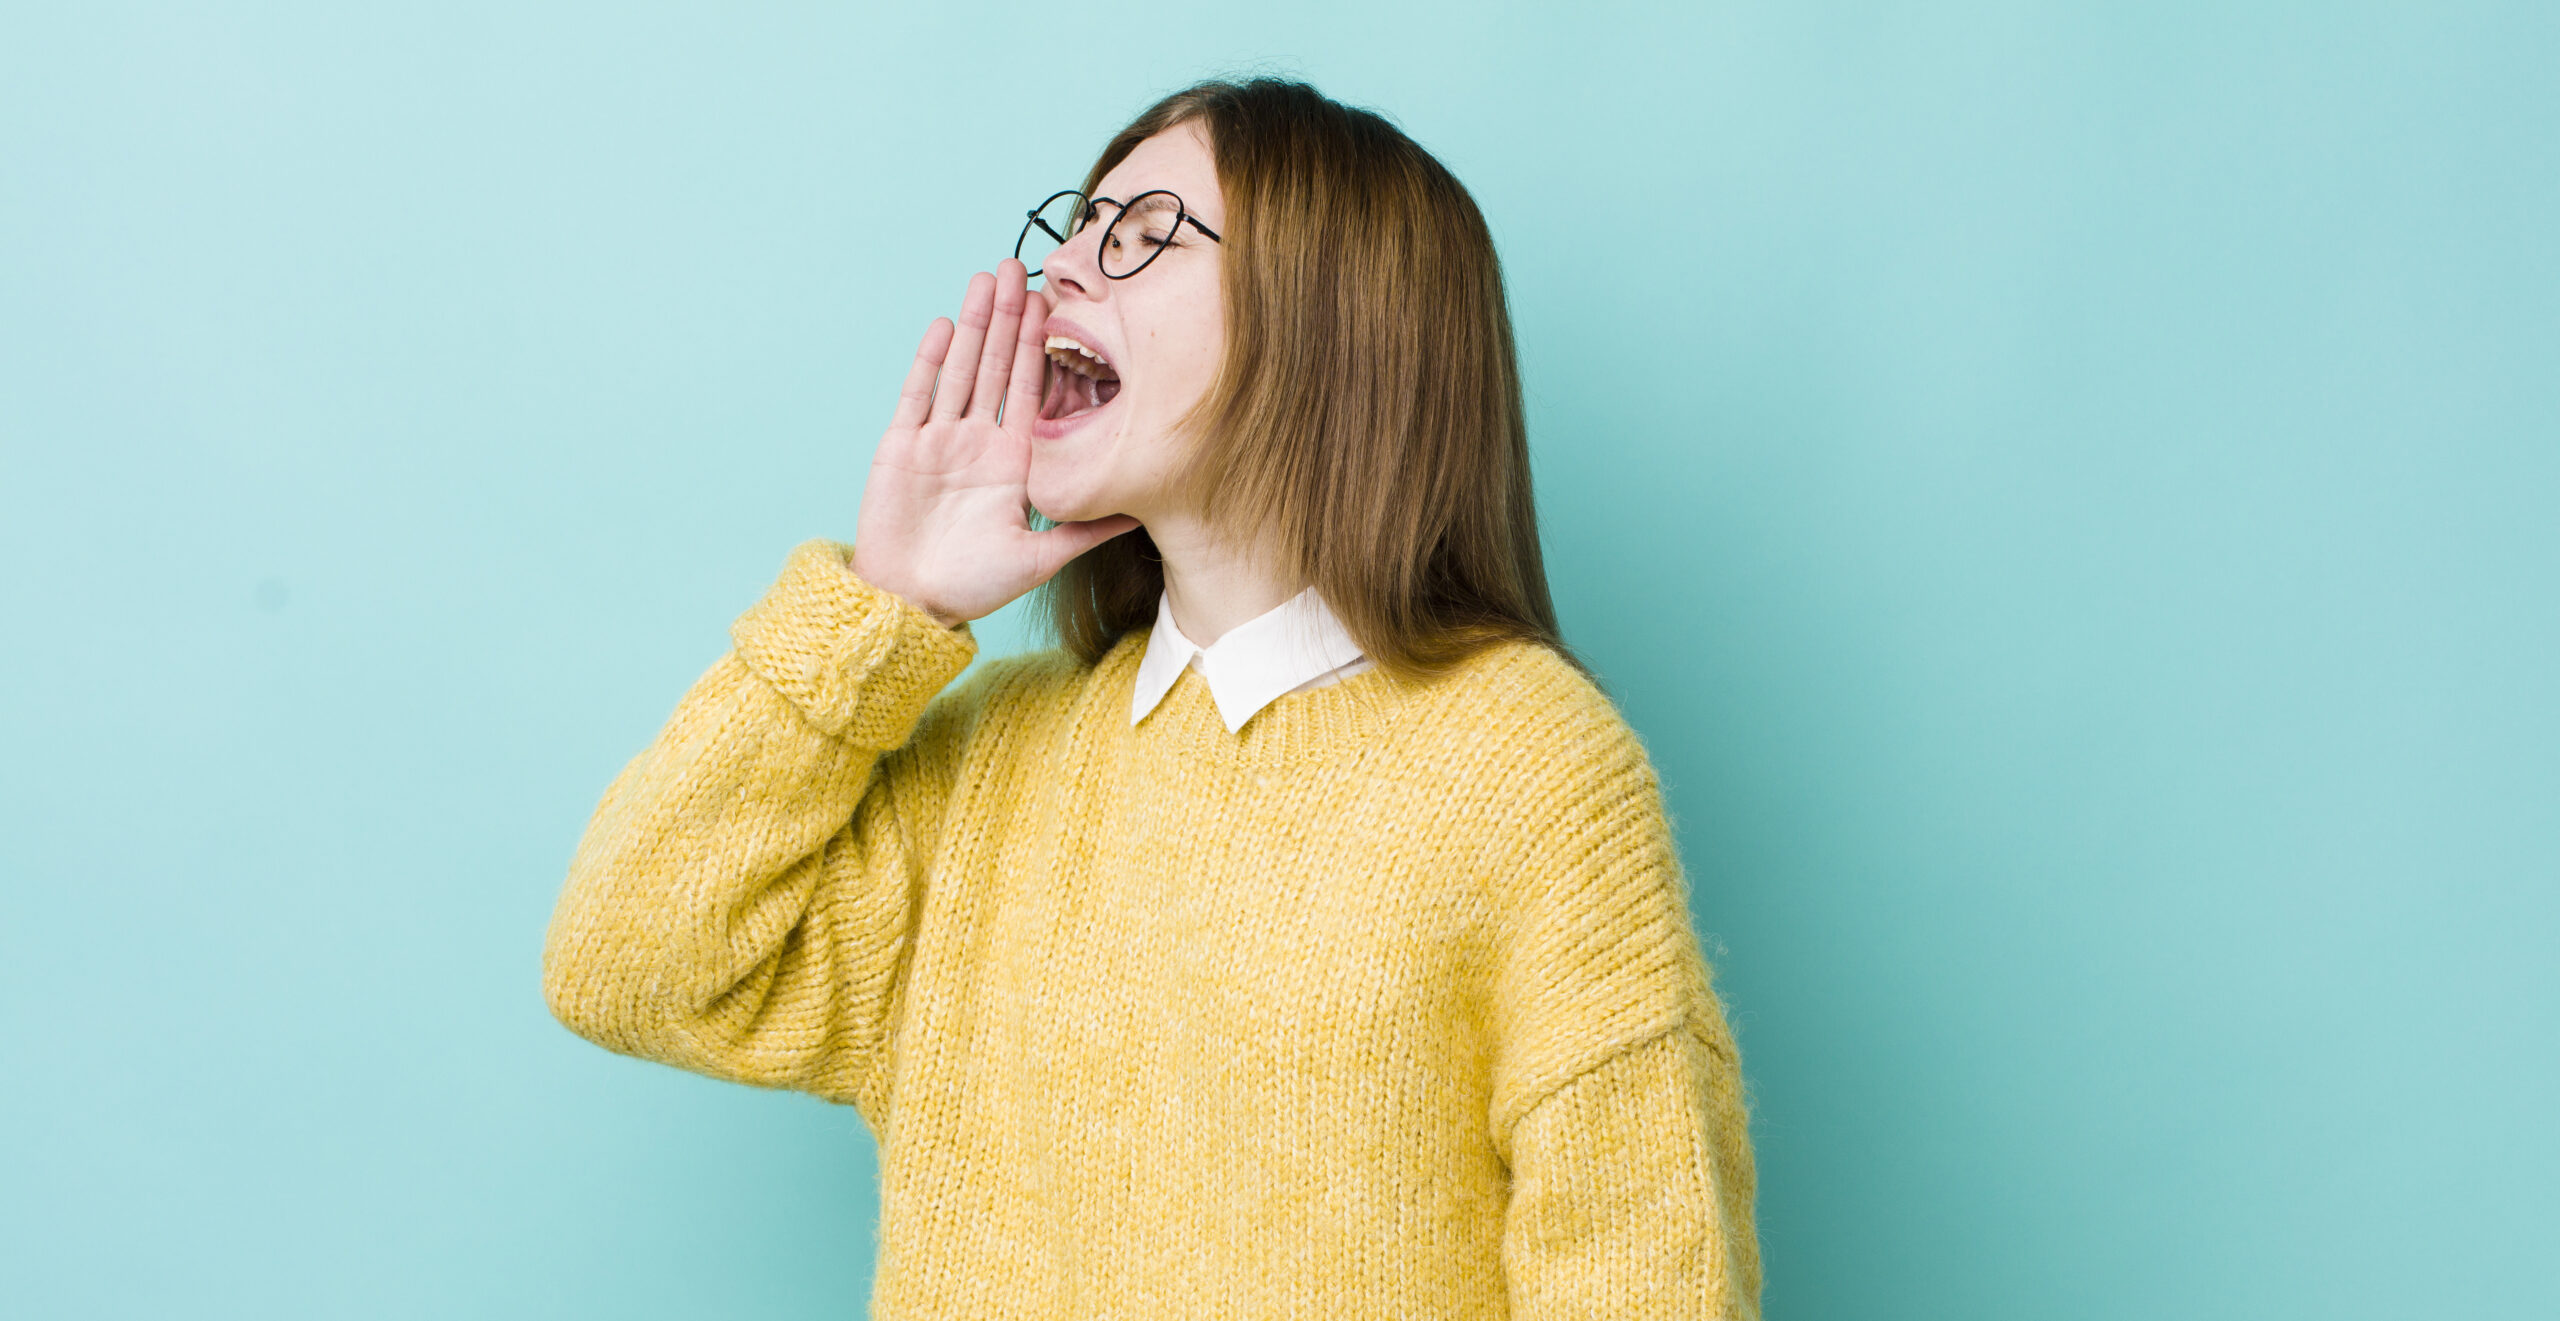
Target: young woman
x=1303, y=935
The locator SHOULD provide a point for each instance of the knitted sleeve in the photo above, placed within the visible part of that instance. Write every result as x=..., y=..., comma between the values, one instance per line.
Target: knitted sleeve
x=1632, y=1190
x=1618, y=1102
x=741, y=901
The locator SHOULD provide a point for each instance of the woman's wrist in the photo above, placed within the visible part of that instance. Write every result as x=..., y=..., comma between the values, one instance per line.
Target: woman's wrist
x=939, y=616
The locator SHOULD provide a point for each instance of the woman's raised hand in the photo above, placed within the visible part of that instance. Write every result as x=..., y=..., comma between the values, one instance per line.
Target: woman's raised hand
x=944, y=519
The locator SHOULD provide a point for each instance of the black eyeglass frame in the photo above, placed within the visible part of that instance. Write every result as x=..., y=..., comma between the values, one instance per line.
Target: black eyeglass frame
x=1181, y=214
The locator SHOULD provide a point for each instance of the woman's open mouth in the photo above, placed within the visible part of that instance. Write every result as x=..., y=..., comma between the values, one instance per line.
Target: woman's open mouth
x=1080, y=381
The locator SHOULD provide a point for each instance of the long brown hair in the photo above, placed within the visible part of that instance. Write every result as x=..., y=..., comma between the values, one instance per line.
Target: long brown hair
x=1367, y=417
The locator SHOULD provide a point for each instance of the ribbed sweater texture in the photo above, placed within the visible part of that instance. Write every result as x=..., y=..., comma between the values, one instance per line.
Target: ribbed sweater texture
x=1387, y=1005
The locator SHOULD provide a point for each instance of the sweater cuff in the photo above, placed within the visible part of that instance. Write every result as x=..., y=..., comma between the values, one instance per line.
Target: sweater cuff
x=860, y=662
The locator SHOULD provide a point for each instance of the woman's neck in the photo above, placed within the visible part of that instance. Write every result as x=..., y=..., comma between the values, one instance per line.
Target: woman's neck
x=1214, y=585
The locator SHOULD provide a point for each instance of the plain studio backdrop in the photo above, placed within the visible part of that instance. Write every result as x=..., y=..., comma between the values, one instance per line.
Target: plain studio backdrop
x=2069, y=495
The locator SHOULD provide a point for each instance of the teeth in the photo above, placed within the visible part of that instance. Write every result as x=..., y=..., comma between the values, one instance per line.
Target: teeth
x=1067, y=352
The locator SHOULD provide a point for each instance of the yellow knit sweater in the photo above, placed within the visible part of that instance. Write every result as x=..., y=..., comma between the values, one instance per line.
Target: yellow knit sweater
x=1387, y=1005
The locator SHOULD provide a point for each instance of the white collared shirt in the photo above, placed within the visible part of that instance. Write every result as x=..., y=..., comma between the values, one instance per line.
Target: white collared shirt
x=1294, y=646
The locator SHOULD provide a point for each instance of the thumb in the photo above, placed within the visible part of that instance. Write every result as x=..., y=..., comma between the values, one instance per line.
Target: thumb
x=1068, y=540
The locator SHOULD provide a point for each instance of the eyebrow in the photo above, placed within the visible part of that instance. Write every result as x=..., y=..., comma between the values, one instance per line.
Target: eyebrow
x=1189, y=217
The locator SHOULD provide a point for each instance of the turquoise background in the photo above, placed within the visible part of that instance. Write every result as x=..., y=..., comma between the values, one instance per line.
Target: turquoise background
x=2067, y=493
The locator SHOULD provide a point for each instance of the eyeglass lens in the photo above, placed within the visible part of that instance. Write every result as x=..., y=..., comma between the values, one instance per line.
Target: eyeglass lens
x=1138, y=232
x=1054, y=223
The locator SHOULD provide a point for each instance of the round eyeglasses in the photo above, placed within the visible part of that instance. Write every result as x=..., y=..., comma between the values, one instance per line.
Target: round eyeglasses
x=1139, y=231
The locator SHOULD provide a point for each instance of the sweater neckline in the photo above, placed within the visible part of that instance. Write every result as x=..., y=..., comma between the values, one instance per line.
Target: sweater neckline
x=1266, y=657
x=1295, y=729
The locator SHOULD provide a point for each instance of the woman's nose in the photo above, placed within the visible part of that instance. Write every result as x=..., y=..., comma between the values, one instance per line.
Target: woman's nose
x=1057, y=280
x=1071, y=265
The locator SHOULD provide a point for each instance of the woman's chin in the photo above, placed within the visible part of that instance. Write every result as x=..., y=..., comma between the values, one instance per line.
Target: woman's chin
x=1058, y=498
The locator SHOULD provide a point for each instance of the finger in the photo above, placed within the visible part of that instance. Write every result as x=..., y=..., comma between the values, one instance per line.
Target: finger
x=1000, y=339
x=960, y=369
x=1030, y=366
x=916, y=396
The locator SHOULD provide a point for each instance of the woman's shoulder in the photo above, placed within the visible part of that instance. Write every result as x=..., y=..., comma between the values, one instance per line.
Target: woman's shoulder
x=1527, y=696
x=1519, y=722
x=1020, y=682
x=1009, y=693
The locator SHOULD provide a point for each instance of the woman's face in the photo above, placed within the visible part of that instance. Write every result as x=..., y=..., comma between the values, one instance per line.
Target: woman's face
x=1105, y=441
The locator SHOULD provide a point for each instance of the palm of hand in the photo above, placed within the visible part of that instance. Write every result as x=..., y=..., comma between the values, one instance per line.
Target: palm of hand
x=944, y=520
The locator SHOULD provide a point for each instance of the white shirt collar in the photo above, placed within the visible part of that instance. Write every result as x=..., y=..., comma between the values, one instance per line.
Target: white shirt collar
x=1255, y=663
